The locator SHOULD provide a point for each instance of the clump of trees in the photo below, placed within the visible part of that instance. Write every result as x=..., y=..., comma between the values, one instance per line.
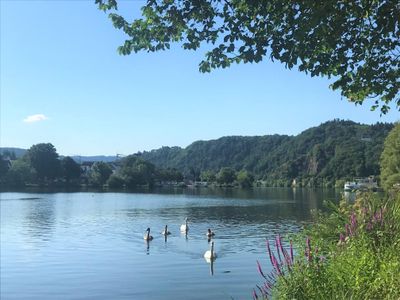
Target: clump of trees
x=227, y=176
x=42, y=166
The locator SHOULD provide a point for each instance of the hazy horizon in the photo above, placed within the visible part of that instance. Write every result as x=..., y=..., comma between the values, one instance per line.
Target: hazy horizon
x=148, y=150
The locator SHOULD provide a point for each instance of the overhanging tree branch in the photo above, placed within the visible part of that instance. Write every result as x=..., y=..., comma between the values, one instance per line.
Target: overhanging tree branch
x=351, y=41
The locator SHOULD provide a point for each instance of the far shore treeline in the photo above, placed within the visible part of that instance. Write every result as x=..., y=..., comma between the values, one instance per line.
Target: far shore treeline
x=326, y=155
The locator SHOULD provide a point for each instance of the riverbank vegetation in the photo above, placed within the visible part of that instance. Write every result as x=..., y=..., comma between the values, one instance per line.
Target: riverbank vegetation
x=323, y=156
x=42, y=166
x=351, y=252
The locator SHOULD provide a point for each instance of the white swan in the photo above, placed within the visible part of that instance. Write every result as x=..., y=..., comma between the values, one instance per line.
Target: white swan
x=210, y=254
x=185, y=227
x=147, y=235
x=209, y=233
x=165, y=232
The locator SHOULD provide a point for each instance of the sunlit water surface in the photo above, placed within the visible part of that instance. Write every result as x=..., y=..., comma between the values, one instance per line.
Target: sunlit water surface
x=91, y=246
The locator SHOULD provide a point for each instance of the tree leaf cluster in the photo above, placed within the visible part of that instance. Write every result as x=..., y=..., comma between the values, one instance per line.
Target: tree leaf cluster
x=390, y=160
x=356, y=43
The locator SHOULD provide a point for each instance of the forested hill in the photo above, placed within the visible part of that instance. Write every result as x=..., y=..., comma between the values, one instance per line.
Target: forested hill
x=334, y=150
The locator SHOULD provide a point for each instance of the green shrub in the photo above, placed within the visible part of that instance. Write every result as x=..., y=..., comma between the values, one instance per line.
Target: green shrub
x=350, y=253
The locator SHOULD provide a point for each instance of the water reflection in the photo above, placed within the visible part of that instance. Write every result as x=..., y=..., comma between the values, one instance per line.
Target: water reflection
x=40, y=218
x=350, y=197
x=95, y=241
x=211, y=267
x=257, y=193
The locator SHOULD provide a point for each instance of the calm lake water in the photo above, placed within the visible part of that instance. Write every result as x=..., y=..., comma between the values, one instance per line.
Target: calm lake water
x=90, y=245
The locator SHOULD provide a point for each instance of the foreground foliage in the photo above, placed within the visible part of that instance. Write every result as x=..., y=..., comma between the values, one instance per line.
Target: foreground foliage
x=355, y=42
x=350, y=253
x=390, y=159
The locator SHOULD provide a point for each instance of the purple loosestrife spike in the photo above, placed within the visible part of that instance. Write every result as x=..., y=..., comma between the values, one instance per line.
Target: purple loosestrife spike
x=353, y=222
x=369, y=226
x=280, y=244
x=287, y=257
x=376, y=218
x=276, y=265
x=291, y=251
x=271, y=277
x=348, y=231
x=308, y=251
x=260, y=270
x=341, y=238
x=265, y=292
x=261, y=290
x=269, y=251
x=279, y=240
x=353, y=218
x=268, y=288
x=284, y=252
x=277, y=248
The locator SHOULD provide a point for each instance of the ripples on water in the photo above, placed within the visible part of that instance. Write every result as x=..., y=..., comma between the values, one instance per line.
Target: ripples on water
x=90, y=245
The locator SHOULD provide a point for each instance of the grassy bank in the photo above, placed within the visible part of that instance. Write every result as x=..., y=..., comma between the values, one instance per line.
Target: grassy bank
x=352, y=252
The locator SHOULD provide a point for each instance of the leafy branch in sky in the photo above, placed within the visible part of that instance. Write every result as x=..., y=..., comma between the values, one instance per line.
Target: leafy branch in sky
x=356, y=43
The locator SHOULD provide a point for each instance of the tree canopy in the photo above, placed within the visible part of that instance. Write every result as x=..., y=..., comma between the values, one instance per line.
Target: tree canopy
x=390, y=159
x=100, y=173
x=357, y=43
x=70, y=169
x=43, y=158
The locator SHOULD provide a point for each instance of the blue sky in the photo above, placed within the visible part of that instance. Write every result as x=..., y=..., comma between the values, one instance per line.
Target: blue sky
x=63, y=82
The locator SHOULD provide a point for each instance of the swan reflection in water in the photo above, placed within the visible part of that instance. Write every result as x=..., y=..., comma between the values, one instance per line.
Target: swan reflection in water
x=165, y=233
x=147, y=238
x=212, y=267
x=210, y=256
x=147, y=247
x=185, y=227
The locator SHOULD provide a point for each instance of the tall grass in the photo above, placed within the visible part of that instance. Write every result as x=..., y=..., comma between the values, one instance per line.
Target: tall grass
x=353, y=252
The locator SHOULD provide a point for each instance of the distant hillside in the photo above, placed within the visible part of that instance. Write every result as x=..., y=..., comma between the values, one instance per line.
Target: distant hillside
x=79, y=159
x=334, y=150
x=17, y=151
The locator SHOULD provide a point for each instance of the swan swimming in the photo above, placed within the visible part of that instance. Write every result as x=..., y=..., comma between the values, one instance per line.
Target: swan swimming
x=165, y=232
x=147, y=235
x=210, y=254
x=210, y=233
x=185, y=227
